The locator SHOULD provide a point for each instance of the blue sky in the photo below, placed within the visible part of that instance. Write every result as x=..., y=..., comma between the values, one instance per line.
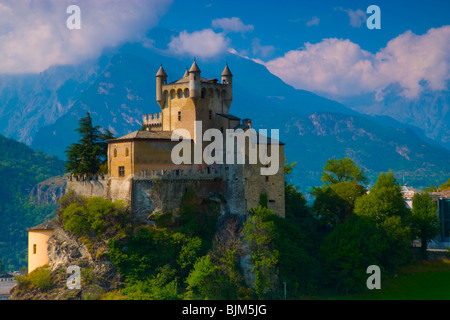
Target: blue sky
x=322, y=46
x=283, y=24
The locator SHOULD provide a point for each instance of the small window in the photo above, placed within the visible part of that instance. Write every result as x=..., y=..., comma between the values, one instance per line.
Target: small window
x=203, y=93
x=210, y=114
x=115, y=153
x=121, y=172
x=180, y=93
x=179, y=116
x=127, y=152
x=267, y=178
x=34, y=249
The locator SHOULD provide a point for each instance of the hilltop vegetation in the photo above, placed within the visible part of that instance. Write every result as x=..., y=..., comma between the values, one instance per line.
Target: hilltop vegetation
x=21, y=168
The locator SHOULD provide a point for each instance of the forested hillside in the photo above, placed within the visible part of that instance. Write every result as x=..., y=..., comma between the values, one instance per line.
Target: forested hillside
x=21, y=168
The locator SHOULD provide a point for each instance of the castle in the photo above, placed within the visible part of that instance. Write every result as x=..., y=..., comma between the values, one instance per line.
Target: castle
x=141, y=170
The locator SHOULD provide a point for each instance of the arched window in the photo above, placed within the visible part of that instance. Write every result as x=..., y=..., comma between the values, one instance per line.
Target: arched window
x=115, y=153
x=180, y=93
x=127, y=152
x=203, y=93
x=186, y=93
x=172, y=94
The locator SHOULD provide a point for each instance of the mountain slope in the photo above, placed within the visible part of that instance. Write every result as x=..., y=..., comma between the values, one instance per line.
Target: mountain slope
x=430, y=111
x=119, y=97
x=311, y=140
x=21, y=169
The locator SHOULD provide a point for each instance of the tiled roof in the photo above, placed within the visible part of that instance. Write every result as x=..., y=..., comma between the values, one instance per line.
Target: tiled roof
x=145, y=135
x=48, y=225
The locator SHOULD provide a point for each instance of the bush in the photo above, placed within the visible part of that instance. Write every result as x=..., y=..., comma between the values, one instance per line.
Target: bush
x=40, y=278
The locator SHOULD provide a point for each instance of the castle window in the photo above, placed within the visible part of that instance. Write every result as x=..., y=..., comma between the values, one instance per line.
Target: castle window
x=210, y=114
x=180, y=93
x=267, y=178
x=34, y=249
x=121, y=172
x=179, y=116
x=203, y=93
x=186, y=93
x=127, y=152
x=115, y=153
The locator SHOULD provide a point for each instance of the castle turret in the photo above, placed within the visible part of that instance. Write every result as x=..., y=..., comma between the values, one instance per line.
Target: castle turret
x=227, y=78
x=161, y=78
x=194, y=81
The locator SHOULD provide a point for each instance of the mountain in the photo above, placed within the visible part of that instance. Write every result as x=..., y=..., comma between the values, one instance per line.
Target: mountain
x=119, y=87
x=21, y=168
x=429, y=112
x=312, y=139
x=125, y=91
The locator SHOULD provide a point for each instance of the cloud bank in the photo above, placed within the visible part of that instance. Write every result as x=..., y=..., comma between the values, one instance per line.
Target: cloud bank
x=204, y=43
x=341, y=67
x=34, y=35
x=232, y=25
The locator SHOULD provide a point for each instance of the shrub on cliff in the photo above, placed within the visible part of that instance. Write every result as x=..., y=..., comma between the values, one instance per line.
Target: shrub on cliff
x=95, y=216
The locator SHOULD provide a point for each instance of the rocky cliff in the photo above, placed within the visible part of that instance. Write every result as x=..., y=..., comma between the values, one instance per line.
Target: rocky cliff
x=98, y=276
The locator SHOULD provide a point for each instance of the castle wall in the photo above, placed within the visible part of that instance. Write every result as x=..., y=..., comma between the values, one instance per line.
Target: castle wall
x=88, y=188
x=120, y=155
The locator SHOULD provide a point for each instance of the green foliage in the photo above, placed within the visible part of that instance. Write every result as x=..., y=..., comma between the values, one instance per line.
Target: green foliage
x=424, y=219
x=259, y=235
x=347, y=252
x=94, y=216
x=335, y=200
x=384, y=200
x=162, y=286
x=445, y=185
x=89, y=156
x=21, y=168
x=40, y=278
x=263, y=200
x=385, y=206
x=342, y=170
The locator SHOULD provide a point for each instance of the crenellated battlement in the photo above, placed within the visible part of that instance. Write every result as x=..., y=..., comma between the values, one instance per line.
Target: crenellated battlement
x=153, y=121
x=200, y=173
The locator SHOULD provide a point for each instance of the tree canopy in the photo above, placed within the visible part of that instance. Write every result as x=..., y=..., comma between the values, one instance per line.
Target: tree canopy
x=89, y=155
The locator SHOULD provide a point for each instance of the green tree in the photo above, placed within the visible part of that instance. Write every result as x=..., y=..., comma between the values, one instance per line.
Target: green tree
x=88, y=155
x=341, y=170
x=385, y=206
x=343, y=184
x=259, y=235
x=424, y=220
x=347, y=252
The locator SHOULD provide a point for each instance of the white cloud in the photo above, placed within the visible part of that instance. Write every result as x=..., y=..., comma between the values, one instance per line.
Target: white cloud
x=231, y=25
x=340, y=67
x=34, y=35
x=205, y=44
x=357, y=17
x=313, y=22
x=261, y=50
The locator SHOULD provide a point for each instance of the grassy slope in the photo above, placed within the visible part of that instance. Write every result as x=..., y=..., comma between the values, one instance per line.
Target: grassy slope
x=424, y=280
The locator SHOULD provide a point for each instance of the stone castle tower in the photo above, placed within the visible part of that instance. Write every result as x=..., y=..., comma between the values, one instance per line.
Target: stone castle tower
x=192, y=98
x=141, y=170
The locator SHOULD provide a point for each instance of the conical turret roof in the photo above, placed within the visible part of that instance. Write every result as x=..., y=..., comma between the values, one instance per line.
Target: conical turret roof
x=186, y=74
x=161, y=72
x=226, y=71
x=194, y=67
